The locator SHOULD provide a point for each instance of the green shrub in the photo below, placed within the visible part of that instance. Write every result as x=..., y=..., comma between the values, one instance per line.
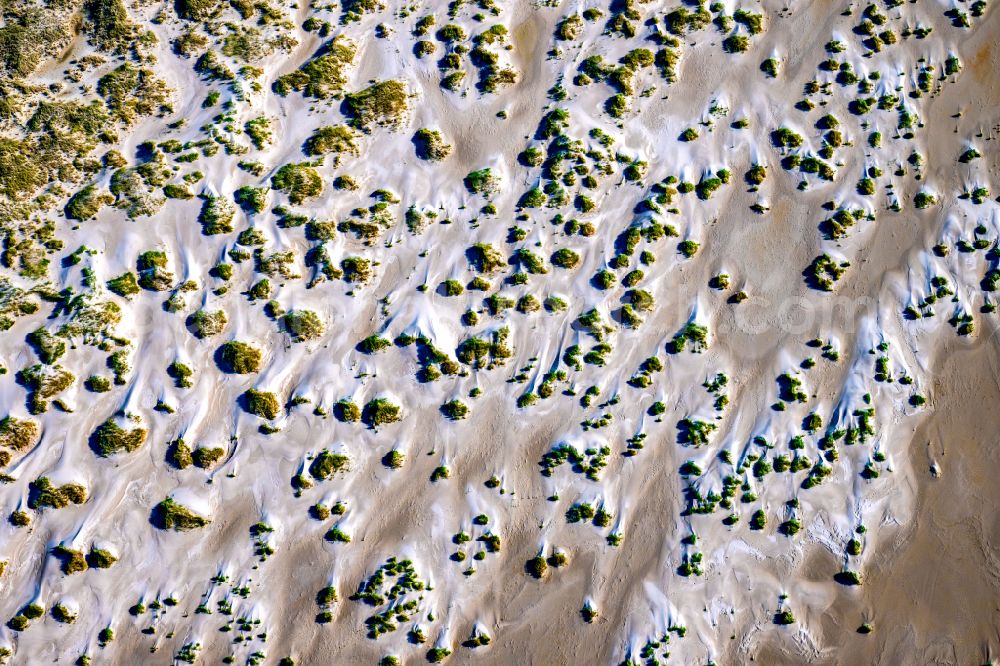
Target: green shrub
x=924, y=199
x=216, y=216
x=565, y=258
x=109, y=438
x=44, y=382
x=325, y=75
x=326, y=464
x=153, y=273
x=239, y=358
x=455, y=410
x=124, y=285
x=205, y=458
x=482, y=182
x=179, y=454
x=338, y=139
x=85, y=204
x=347, y=411
x=206, y=323
x=357, y=270
x=63, y=614
x=100, y=559
x=383, y=103
x=198, y=10
x=430, y=145
x=437, y=654
x=251, y=199
x=485, y=258
x=736, y=44
x=18, y=434
x=380, y=411
x=536, y=566
x=688, y=248
x=303, y=325
x=298, y=181
x=42, y=494
x=262, y=403
x=169, y=515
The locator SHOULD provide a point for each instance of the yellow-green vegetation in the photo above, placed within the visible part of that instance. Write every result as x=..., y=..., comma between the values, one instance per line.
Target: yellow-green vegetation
x=207, y=457
x=64, y=614
x=108, y=25
x=486, y=258
x=48, y=347
x=251, y=199
x=85, y=204
x=298, y=181
x=14, y=302
x=216, y=215
x=71, y=561
x=19, y=174
x=327, y=463
x=99, y=558
x=380, y=411
x=43, y=494
x=179, y=454
x=153, y=273
x=430, y=145
x=134, y=193
x=198, y=10
x=17, y=435
x=303, y=325
x=131, y=92
x=338, y=139
x=44, y=382
x=356, y=270
x=170, y=515
x=383, y=103
x=110, y=438
x=30, y=32
x=124, y=285
x=347, y=411
x=239, y=358
x=206, y=323
x=324, y=75
x=262, y=403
